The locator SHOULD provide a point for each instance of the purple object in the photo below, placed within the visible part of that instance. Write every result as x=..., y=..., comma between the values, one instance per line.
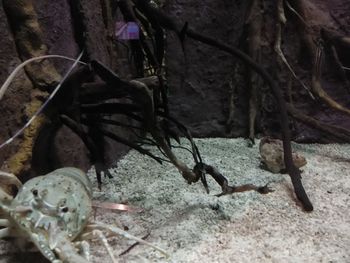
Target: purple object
x=127, y=31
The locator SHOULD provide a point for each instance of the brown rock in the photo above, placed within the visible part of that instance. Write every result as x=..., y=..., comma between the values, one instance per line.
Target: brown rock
x=271, y=152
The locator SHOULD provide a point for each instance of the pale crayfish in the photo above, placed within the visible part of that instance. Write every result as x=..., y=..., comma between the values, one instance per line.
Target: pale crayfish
x=53, y=213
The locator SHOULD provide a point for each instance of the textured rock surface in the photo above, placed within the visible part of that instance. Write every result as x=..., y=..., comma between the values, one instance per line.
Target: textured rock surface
x=199, y=94
x=61, y=34
x=57, y=25
x=12, y=106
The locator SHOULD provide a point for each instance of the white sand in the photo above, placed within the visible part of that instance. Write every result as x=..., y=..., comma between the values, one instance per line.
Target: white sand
x=246, y=227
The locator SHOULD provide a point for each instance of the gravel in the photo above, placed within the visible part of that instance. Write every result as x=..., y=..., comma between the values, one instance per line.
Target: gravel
x=193, y=226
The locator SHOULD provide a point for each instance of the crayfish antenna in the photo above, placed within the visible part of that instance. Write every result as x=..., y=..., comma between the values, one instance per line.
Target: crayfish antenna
x=118, y=231
x=105, y=243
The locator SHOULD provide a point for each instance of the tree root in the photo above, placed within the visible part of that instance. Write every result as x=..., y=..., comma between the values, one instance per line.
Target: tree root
x=203, y=168
x=167, y=23
x=155, y=121
x=334, y=131
x=340, y=67
x=335, y=40
x=281, y=21
x=232, y=97
x=253, y=24
x=315, y=53
x=299, y=10
x=143, y=96
x=317, y=85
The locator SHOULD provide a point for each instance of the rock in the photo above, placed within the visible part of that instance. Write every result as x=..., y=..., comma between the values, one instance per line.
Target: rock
x=271, y=152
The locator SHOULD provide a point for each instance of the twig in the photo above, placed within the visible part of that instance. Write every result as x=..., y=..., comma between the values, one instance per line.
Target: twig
x=223, y=182
x=317, y=86
x=296, y=13
x=340, y=67
x=118, y=231
x=278, y=49
x=134, y=245
x=316, y=53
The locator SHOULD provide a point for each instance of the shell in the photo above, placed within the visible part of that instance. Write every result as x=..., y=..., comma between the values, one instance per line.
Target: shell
x=62, y=197
x=51, y=211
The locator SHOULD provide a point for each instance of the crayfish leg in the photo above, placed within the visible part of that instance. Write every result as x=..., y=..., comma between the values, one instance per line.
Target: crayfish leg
x=7, y=181
x=4, y=222
x=117, y=231
x=5, y=232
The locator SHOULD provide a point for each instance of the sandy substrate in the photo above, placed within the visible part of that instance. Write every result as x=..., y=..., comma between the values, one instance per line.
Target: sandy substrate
x=246, y=227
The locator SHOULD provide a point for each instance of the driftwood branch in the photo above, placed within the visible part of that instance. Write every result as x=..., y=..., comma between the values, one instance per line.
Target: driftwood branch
x=143, y=96
x=168, y=23
x=253, y=26
x=315, y=53
x=339, y=133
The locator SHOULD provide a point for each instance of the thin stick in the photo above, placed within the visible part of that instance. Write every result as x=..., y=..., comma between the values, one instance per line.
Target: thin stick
x=278, y=49
x=253, y=24
x=317, y=85
x=118, y=231
x=297, y=14
x=105, y=243
x=133, y=245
